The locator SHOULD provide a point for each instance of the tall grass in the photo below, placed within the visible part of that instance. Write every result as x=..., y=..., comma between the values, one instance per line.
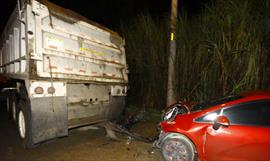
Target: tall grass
x=224, y=50
x=147, y=59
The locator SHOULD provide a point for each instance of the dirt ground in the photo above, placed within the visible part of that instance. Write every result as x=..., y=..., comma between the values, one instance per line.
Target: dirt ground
x=80, y=145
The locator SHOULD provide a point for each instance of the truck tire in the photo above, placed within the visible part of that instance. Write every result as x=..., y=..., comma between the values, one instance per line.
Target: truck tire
x=24, y=124
x=178, y=148
x=9, y=104
x=14, y=104
x=14, y=111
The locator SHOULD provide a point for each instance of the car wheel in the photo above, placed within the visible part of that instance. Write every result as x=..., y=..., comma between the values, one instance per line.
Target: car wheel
x=23, y=124
x=177, y=148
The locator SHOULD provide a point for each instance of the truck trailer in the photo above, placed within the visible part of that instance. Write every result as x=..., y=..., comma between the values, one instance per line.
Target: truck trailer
x=62, y=71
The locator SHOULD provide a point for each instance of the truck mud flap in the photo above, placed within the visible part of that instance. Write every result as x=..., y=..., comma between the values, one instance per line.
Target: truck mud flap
x=116, y=107
x=49, y=118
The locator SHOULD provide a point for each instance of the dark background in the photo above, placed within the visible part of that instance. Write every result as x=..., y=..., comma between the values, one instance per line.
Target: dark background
x=112, y=13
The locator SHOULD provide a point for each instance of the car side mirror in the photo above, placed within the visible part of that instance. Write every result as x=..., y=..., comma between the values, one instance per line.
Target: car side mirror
x=221, y=121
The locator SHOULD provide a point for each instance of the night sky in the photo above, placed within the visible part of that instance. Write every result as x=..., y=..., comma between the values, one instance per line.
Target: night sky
x=111, y=13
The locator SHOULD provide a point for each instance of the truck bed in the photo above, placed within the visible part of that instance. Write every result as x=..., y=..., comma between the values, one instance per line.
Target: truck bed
x=52, y=42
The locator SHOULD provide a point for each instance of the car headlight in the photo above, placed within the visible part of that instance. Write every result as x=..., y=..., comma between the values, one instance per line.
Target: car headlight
x=170, y=113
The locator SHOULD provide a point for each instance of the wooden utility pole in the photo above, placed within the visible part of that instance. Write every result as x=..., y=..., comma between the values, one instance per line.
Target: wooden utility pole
x=172, y=54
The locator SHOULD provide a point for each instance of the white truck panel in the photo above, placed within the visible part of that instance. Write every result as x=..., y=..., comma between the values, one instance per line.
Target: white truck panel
x=63, y=47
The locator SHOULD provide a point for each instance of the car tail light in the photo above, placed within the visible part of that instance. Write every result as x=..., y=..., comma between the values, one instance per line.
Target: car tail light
x=51, y=90
x=39, y=90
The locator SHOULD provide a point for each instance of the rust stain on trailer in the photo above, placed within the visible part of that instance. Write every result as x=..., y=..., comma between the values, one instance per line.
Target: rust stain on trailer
x=85, y=56
x=53, y=67
x=68, y=69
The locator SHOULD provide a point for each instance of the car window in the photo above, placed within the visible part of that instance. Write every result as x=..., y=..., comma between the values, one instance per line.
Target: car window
x=208, y=117
x=214, y=102
x=252, y=113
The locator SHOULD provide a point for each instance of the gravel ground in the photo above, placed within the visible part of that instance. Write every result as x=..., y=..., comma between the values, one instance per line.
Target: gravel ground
x=80, y=145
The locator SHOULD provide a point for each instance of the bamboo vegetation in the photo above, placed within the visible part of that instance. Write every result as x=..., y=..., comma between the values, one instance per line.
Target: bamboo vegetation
x=223, y=50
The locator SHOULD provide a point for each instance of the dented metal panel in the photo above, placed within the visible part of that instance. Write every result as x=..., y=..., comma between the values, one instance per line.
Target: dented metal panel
x=87, y=103
x=71, y=47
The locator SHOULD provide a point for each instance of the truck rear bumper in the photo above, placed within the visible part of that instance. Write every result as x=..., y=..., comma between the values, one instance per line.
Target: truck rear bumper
x=95, y=113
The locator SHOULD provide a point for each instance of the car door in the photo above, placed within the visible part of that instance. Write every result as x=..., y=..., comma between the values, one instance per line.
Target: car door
x=247, y=138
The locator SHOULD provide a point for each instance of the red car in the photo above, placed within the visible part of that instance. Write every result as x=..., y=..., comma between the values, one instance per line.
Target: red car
x=233, y=128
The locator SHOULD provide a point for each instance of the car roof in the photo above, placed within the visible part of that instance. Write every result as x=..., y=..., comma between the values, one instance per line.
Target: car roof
x=243, y=97
x=258, y=93
x=249, y=96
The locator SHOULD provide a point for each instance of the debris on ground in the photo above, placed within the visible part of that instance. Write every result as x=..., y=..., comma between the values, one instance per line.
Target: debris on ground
x=134, y=118
x=129, y=139
x=86, y=128
x=111, y=128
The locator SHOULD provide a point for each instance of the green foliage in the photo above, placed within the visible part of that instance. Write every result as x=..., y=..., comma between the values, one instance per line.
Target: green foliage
x=220, y=52
x=146, y=50
x=224, y=50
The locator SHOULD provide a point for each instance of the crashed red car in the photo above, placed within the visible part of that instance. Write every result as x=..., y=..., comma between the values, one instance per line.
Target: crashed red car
x=230, y=128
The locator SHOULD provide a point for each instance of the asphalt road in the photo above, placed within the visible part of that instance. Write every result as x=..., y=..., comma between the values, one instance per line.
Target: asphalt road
x=80, y=145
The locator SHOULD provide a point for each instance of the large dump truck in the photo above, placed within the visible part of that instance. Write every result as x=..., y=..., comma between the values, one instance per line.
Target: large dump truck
x=62, y=71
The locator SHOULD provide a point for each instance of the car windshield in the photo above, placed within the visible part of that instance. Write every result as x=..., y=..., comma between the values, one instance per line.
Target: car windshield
x=214, y=102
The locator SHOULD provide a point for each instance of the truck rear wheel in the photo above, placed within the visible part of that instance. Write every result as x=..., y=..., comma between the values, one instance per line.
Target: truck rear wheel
x=9, y=104
x=14, y=111
x=23, y=124
x=13, y=103
x=7, y=100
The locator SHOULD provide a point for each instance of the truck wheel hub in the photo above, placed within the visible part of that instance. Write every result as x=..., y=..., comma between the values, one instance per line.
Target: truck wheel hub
x=21, y=124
